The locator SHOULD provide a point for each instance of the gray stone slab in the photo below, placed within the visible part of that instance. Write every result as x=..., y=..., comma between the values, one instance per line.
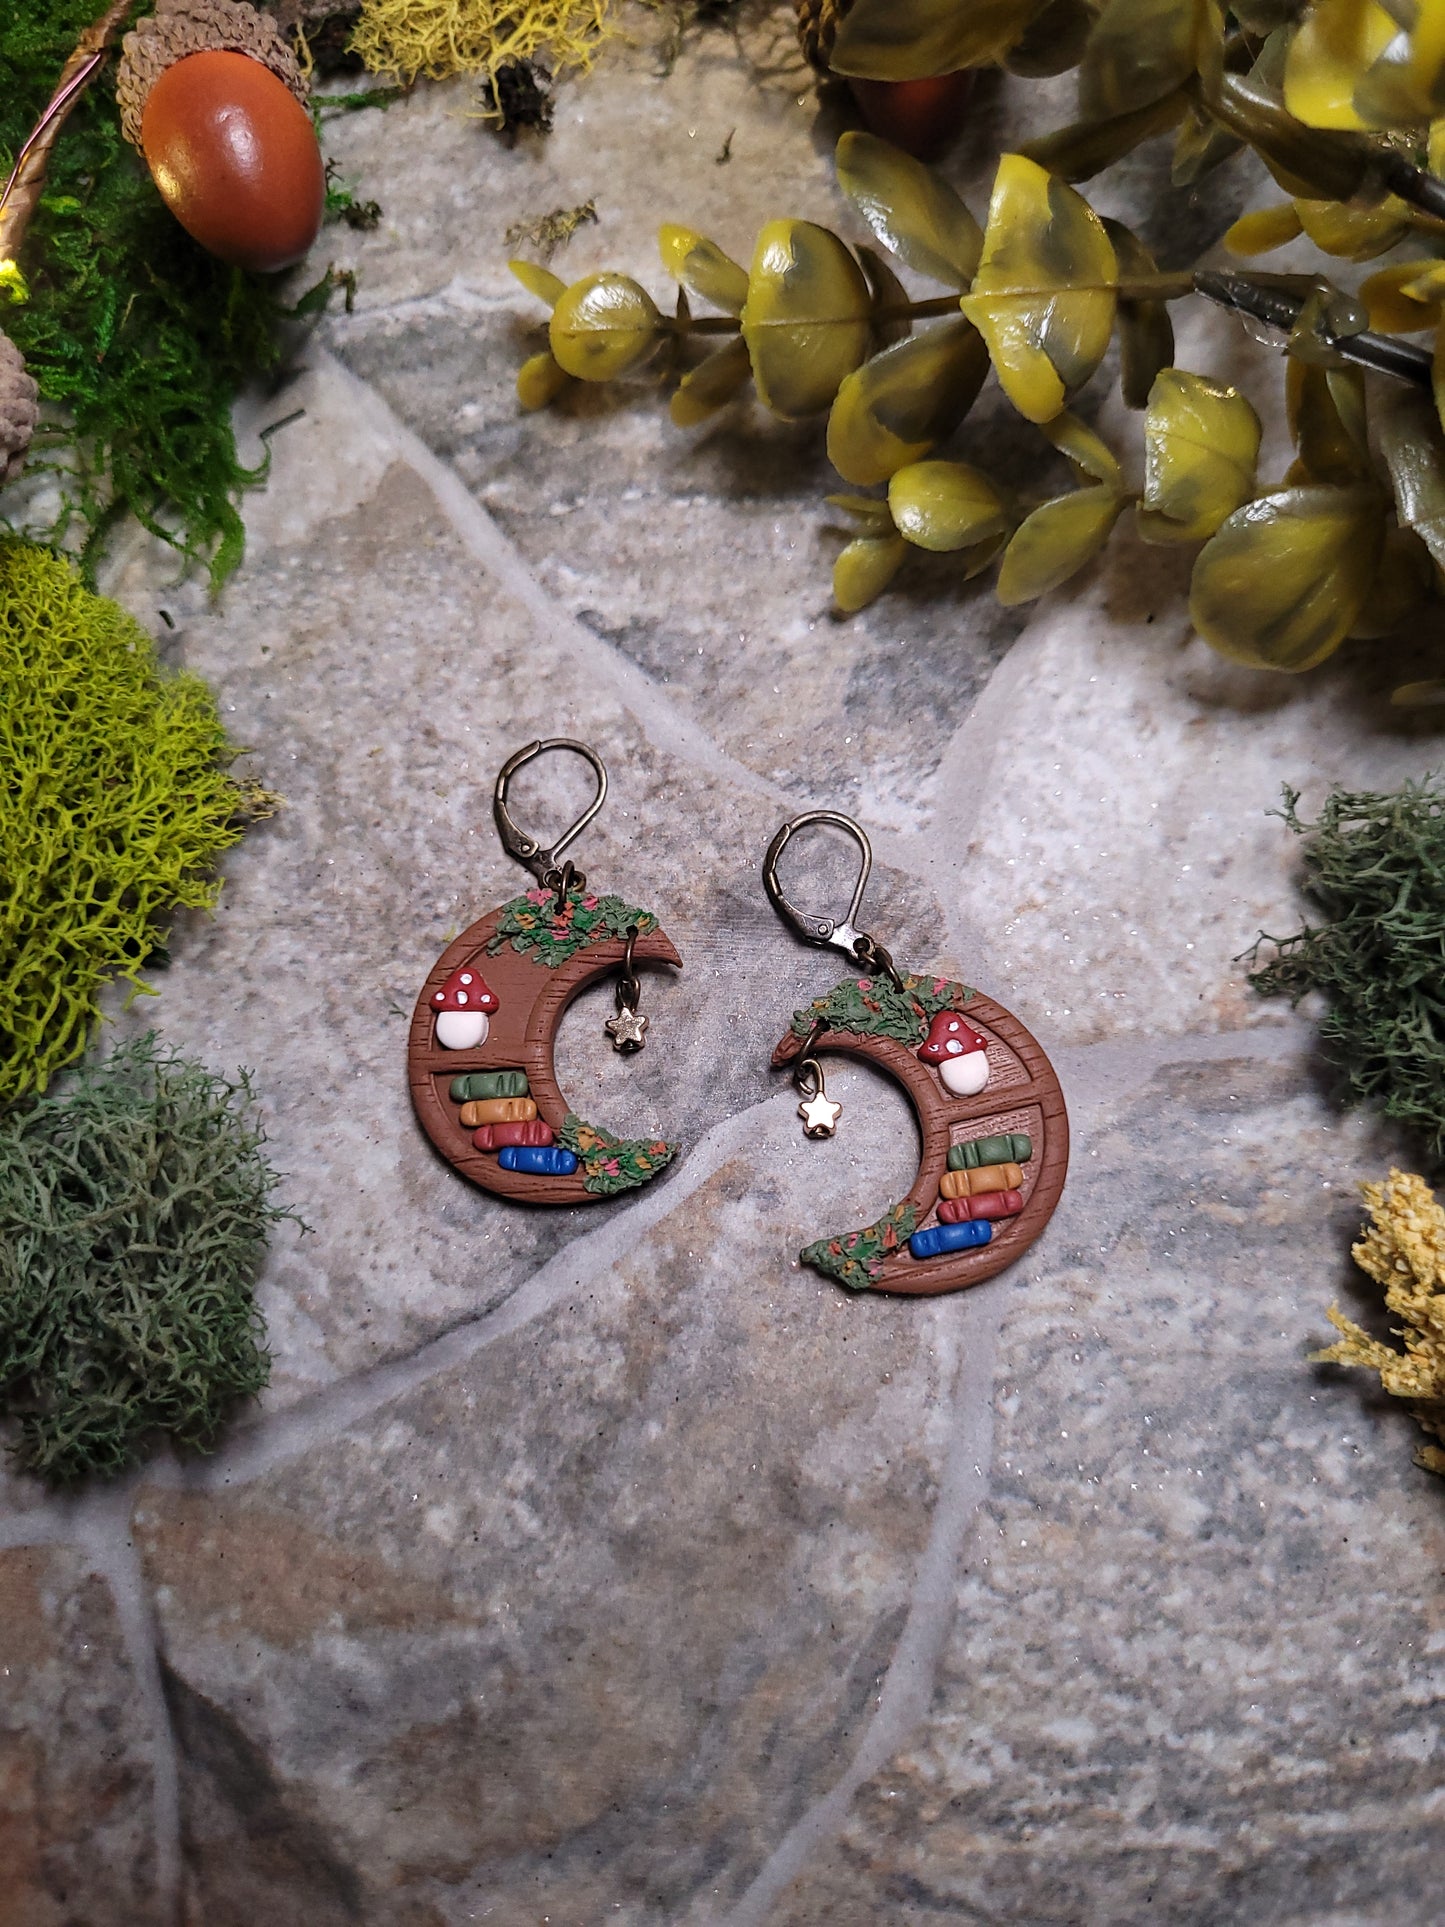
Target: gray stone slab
x=1194, y=1669
x=576, y=1623
x=77, y=1839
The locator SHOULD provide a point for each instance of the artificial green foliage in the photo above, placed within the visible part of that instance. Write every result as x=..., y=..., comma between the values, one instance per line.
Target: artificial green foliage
x=612, y=1164
x=536, y=926
x=1375, y=870
x=138, y=337
x=116, y=804
x=872, y=1007
x=134, y=1213
x=856, y=1258
x=1342, y=101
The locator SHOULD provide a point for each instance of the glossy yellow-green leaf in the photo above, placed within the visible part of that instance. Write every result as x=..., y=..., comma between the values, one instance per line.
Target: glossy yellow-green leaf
x=1435, y=145
x=912, y=210
x=1201, y=443
x=1085, y=148
x=1387, y=95
x=1314, y=162
x=1326, y=409
x=1427, y=58
x=1055, y=542
x=712, y=384
x=1139, y=51
x=701, y=265
x=897, y=406
x=945, y=506
x=871, y=515
x=1043, y=297
x=1200, y=146
x=890, y=318
x=1419, y=695
x=1356, y=233
x=1403, y=582
x=1146, y=334
x=1280, y=584
x=1336, y=42
x=540, y=380
x=1053, y=41
x=1427, y=283
x=865, y=568
x=1394, y=308
x=539, y=281
x=603, y=326
x=1264, y=230
x=1414, y=450
x=1087, y=452
x=806, y=317
x=914, y=39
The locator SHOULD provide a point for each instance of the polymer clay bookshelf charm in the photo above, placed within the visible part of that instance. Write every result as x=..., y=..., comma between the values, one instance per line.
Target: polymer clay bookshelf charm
x=480, y=1050
x=990, y=1111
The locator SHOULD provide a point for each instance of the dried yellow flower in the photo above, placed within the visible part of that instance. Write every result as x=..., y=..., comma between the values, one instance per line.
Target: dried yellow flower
x=1405, y=1252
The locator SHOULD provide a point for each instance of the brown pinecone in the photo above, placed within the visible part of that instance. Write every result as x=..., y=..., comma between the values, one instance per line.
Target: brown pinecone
x=181, y=27
x=818, y=29
x=19, y=410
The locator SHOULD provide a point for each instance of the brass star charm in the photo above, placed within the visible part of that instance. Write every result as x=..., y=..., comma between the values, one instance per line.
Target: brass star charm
x=820, y=1116
x=628, y=1029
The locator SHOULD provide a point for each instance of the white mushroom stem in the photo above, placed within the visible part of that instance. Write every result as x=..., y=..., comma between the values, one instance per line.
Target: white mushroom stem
x=461, y=1029
x=965, y=1076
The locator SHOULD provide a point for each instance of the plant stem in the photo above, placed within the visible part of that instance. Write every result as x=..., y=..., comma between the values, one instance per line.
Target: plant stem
x=22, y=191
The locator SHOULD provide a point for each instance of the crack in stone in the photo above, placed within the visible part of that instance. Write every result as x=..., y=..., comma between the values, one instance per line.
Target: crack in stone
x=351, y=1401
x=457, y=297
x=907, y=1690
x=1090, y=1072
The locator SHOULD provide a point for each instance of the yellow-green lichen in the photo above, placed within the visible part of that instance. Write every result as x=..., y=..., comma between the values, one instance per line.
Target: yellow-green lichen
x=1404, y=1251
x=114, y=805
x=438, y=38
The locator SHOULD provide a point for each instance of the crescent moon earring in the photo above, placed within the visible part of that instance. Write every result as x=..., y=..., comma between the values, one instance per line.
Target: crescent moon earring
x=991, y=1115
x=481, y=1046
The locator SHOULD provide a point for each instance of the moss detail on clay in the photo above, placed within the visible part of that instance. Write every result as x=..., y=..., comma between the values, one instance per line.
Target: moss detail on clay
x=856, y=1259
x=116, y=804
x=533, y=925
x=134, y=1213
x=612, y=1164
x=871, y=1007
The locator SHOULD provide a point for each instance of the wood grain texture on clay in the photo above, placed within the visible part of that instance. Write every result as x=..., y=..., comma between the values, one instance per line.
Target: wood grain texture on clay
x=1022, y=1094
x=532, y=997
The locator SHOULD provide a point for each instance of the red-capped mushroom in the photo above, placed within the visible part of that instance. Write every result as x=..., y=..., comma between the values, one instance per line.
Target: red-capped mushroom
x=958, y=1052
x=461, y=1007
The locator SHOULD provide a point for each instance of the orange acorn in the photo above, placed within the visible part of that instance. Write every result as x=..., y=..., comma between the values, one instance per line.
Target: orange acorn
x=212, y=95
x=923, y=117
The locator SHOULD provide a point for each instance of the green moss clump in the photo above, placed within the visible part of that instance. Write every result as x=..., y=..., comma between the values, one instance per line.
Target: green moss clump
x=1375, y=868
x=856, y=1258
x=134, y=1212
x=139, y=336
x=115, y=803
x=871, y=1007
x=535, y=927
x=612, y=1164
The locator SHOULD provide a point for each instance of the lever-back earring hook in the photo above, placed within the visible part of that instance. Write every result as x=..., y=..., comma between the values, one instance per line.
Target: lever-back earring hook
x=843, y=932
x=527, y=849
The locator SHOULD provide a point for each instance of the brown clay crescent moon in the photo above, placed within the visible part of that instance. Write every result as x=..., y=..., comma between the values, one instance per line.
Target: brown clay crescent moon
x=1022, y=1094
x=532, y=997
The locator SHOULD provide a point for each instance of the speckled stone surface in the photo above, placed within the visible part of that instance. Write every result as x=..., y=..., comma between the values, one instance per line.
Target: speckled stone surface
x=602, y=1564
